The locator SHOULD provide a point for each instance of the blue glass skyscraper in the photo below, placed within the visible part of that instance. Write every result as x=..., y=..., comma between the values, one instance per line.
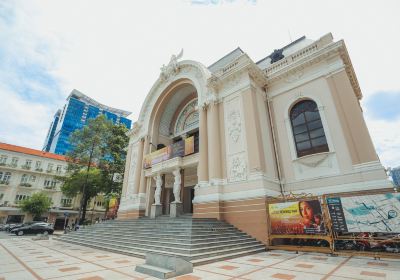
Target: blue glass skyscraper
x=75, y=114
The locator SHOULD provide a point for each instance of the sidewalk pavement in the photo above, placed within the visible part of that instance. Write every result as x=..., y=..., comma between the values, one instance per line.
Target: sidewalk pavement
x=22, y=258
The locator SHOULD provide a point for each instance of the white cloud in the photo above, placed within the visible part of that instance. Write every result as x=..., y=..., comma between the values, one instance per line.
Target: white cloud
x=27, y=121
x=386, y=138
x=112, y=51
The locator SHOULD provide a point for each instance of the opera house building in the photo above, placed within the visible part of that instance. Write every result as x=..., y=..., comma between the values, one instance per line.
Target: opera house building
x=219, y=141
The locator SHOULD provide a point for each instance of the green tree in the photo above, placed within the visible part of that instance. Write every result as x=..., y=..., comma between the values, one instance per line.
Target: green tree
x=113, y=164
x=99, y=151
x=36, y=205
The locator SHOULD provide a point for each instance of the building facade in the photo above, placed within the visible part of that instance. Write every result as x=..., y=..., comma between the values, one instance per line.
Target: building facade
x=395, y=175
x=75, y=114
x=24, y=171
x=219, y=141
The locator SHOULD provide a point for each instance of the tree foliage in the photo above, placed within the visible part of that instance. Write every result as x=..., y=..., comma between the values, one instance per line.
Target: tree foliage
x=36, y=205
x=99, y=152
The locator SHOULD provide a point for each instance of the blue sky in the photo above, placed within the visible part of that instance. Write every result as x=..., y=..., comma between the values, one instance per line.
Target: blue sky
x=112, y=51
x=384, y=105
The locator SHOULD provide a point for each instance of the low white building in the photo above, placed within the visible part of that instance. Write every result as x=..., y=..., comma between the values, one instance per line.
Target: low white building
x=25, y=171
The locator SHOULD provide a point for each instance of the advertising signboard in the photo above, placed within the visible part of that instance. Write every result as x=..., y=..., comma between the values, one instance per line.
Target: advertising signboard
x=297, y=217
x=366, y=213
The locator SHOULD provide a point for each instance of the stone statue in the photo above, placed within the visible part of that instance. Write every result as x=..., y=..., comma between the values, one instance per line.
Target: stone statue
x=172, y=67
x=177, y=185
x=157, y=193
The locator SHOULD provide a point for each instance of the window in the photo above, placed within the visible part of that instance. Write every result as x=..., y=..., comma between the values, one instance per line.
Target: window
x=66, y=202
x=1, y=196
x=38, y=166
x=188, y=118
x=3, y=160
x=24, y=179
x=99, y=203
x=50, y=184
x=14, y=162
x=50, y=167
x=20, y=197
x=58, y=169
x=28, y=163
x=6, y=178
x=47, y=183
x=308, y=132
x=32, y=178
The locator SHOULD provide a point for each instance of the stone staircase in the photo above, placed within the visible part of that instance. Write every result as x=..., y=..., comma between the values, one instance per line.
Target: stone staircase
x=198, y=241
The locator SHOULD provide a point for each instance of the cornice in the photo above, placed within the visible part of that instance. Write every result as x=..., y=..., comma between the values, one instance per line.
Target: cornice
x=293, y=66
x=242, y=64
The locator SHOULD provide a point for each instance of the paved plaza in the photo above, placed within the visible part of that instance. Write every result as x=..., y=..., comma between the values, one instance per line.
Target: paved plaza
x=23, y=258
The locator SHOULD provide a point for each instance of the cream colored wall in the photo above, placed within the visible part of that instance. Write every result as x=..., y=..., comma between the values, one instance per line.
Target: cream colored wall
x=10, y=191
x=347, y=135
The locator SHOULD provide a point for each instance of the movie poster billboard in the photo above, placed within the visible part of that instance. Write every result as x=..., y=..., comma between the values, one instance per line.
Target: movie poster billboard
x=297, y=217
x=365, y=213
x=112, y=208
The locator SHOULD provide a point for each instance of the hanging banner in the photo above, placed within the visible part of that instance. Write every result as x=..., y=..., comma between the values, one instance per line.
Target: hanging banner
x=189, y=146
x=298, y=217
x=365, y=213
x=178, y=149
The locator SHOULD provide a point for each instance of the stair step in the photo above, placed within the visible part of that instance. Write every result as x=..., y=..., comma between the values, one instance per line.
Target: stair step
x=155, y=271
x=199, y=241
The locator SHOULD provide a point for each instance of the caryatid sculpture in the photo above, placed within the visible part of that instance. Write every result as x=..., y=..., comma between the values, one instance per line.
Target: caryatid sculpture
x=177, y=185
x=157, y=193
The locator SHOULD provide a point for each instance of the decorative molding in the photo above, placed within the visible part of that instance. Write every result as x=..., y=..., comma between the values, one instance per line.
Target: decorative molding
x=313, y=160
x=234, y=125
x=214, y=83
x=237, y=168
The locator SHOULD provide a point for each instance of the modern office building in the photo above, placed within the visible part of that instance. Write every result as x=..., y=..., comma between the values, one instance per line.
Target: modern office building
x=52, y=130
x=25, y=171
x=290, y=123
x=395, y=174
x=75, y=114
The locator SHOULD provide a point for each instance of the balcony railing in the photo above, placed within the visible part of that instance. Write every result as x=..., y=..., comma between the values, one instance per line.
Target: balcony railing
x=38, y=169
x=4, y=182
x=50, y=187
x=25, y=185
x=27, y=167
x=181, y=148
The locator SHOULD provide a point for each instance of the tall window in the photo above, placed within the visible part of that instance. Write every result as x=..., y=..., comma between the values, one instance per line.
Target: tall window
x=3, y=159
x=308, y=132
x=24, y=178
x=38, y=165
x=14, y=162
x=6, y=177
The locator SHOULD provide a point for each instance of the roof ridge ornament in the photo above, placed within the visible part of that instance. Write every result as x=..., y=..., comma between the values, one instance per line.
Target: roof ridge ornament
x=172, y=68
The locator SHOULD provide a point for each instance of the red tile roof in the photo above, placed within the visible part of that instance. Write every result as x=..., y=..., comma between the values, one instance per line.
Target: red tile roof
x=29, y=151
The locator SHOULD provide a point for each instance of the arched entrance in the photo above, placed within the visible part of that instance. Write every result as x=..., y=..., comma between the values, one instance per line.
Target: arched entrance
x=174, y=139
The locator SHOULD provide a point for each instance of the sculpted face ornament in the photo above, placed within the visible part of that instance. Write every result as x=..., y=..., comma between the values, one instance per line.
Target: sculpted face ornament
x=234, y=126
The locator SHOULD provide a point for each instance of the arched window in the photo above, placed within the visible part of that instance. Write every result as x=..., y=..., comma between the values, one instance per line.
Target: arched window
x=188, y=118
x=308, y=132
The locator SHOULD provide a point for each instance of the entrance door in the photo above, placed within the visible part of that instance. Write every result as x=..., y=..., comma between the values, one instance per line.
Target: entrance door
x=167, y=197
x=188, y=195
